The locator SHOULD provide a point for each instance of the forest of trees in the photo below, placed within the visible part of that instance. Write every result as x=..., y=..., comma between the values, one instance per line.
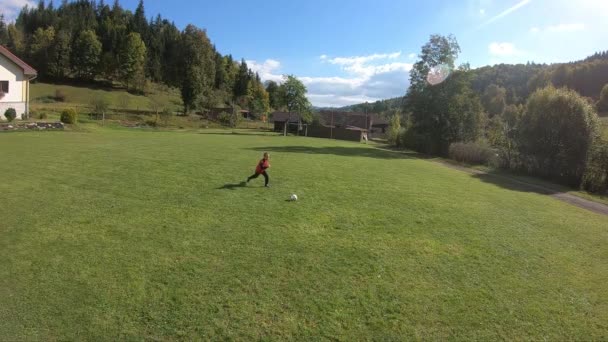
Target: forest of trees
x=536, y=119
x=91, y=41
x=512, y=84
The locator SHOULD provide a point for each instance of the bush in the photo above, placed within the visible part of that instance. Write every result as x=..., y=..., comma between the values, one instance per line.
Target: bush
x=602, y=104
x=42, y=116
x=413, y=140
x=394, y=129
x=100, y=106
x=10, y=114
x=165, y=116
x=230, y=119
x=59, y=96
x=555, y=134
x=69, y=116
x=472, y=153
x=596, y=173
x=224, y=118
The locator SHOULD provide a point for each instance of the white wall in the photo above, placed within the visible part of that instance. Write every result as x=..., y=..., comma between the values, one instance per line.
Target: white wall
x=18, y=106
x=15, y=98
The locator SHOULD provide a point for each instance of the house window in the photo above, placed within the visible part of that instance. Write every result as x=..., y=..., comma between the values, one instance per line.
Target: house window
x=3, y=86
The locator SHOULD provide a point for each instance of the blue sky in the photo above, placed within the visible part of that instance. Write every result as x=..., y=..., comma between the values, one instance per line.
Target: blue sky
x=351, y=51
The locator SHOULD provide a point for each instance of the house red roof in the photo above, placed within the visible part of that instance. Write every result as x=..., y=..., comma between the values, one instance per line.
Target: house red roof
x=27, y=70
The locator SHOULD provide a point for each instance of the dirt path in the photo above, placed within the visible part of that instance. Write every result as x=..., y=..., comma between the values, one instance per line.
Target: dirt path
x=562, y=196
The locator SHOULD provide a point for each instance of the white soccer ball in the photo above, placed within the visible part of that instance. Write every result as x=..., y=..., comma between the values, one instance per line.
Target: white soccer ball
x=294, y=197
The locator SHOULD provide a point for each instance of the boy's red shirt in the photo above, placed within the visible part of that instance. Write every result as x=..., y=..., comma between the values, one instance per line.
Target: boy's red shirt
x=262, y=166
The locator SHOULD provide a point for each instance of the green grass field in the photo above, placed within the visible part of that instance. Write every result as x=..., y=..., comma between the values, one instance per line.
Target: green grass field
x=136, y=235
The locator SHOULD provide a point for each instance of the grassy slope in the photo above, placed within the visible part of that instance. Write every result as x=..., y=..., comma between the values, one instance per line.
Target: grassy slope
x=78, y=96
x=120, y=234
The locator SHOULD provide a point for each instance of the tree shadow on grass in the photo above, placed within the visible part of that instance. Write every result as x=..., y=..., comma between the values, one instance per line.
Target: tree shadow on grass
x=344, y=151
x=267, y=134
x=521, y=185
x=232, y=186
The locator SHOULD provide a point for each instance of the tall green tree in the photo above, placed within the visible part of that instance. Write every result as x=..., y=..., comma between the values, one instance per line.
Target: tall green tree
x=40, y=48
x=86, y=52
x=447, y=112
x=293, y=93
x=172, y=42
x=139, y=23
x=272, y=88
x=439, y=50
x=59, y=56
x=197, y=66
x=15, y=40
x=242, y=80
x=155, y=48
x=133, y=61
x=3, y=31
x=259, y=102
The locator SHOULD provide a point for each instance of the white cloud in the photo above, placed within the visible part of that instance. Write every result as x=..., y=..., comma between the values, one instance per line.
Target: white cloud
x=266, y=70
x=330, y=100
x=506, y=12
x=366, y=78
x=412, y=56
x=347, y=61
x=482, y=12
x=11, y=8
x=559, y=28
x=566, y=27
x=503, y=49
x=369, y=78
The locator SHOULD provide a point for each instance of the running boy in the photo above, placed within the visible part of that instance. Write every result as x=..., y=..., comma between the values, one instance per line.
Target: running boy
x=260, y=169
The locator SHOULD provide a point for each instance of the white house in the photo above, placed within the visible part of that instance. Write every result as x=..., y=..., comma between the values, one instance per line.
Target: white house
x=15, y=77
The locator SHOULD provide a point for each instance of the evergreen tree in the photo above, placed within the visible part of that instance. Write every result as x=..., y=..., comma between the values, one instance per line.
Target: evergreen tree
x=133, y=61
x=59, y=56
x=197, y=66
x=272, y=88
x=242, y=80
x=155, y=48
x=139, y=23
x=171, y=54
x=3, y=31
x=40, y=48
x=86, y=52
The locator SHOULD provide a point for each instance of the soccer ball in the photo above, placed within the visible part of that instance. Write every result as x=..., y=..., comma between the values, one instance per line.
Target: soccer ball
x=293, y=197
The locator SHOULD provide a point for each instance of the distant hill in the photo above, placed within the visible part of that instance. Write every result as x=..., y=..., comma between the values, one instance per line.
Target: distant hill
x=586, y=76
x=372, y=107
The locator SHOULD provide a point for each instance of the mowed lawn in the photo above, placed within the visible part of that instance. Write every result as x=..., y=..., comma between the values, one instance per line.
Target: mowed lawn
x=129, y=235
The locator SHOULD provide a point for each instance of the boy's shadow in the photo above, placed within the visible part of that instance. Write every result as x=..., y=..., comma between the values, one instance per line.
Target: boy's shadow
x=233, y=186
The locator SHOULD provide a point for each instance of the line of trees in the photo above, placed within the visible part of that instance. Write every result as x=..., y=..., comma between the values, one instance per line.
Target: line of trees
x=505, y=84
x=89, y=40
x=549, y=130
